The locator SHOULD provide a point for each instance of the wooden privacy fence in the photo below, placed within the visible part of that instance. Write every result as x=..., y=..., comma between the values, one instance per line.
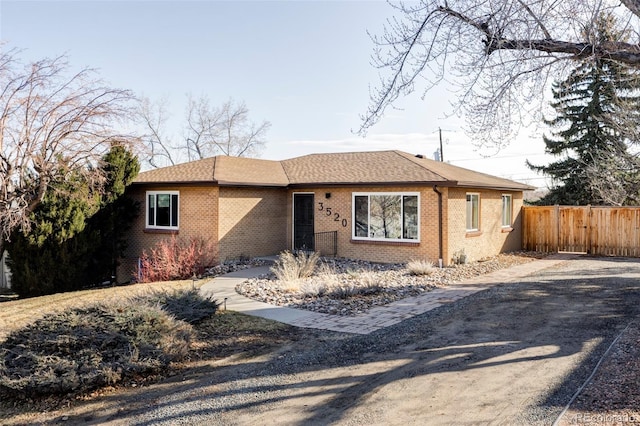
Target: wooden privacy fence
x=610, y=231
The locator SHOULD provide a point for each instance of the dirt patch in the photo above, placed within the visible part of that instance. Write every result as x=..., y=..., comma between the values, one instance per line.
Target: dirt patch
x=514, y=354
x=612, y=397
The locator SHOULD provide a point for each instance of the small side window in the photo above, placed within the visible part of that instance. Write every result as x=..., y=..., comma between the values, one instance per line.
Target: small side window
x=507, y=211
x=473, y=212
x=162, y=209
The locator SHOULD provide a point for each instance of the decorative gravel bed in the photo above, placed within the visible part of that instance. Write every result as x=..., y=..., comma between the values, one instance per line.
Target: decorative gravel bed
x=349, y=287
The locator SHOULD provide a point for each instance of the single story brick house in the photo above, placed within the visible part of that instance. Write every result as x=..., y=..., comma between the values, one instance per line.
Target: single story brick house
x=382, y=206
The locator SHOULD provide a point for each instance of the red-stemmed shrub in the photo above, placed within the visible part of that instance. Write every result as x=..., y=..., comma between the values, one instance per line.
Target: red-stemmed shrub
x=176, y=258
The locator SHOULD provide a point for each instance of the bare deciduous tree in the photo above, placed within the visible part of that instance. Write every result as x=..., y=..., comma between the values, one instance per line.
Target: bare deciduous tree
x=209, y=131
x=503, y=54
x=223, y=130
x=52, y=126
x=153, y=116
x=615, y=178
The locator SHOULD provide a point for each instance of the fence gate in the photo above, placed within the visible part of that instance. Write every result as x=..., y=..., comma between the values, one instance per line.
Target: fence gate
x=611, y=231
x=573, y=231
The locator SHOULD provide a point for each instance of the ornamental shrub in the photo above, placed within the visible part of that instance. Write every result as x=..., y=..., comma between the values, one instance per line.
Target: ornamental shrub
x=420, y=267
x=187, y=305
x=291, y=267
x=176, y=258
x=86, y=348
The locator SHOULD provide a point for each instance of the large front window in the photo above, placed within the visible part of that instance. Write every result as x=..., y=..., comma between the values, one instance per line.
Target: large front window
x=386, y=216
x=162, y=209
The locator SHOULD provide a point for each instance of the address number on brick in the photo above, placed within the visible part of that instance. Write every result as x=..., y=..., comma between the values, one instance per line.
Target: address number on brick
x=329, y=212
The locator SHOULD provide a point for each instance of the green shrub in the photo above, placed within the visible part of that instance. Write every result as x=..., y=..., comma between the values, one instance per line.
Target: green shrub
x=290, y=267
x=77, y=234
x=86, y=348
x=177, y=258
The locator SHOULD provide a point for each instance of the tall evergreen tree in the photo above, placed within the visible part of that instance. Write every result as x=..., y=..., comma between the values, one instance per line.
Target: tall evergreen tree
x=77, y=235
x=597, y=119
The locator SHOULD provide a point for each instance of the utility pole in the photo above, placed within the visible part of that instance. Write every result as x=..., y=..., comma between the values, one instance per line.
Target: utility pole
x=441, y=153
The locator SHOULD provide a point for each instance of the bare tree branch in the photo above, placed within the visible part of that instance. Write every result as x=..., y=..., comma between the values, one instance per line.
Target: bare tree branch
x=51, y=126
x=153, y=117
x=633, y=6
x=209, y=131
x=500, y=54
x=225, y=130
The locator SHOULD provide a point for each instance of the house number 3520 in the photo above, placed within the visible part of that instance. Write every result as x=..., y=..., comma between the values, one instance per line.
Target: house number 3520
x=329, y=212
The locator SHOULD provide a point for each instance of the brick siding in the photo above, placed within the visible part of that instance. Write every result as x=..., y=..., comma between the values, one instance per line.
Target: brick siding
x=340, y=203
x=259, y=221
x=491, y=238
x=252, y=222
x=198, y=217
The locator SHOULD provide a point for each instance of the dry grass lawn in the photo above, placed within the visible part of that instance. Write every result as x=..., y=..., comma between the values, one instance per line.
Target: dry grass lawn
x=225, y=335
x=18, y=313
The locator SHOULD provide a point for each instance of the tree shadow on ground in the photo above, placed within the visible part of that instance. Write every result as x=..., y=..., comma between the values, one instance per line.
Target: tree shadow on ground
x=543, y=334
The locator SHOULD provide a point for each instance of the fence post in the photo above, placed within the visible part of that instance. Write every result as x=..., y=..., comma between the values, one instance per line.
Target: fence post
x=588, y=219
x=556, y=211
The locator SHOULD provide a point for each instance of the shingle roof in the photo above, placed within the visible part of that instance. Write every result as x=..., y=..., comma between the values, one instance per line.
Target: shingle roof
x=357, y=167
x=465, y=177
x=387, y=167
x=249, y=171
x=193, y=171
x=221, y=170
x=351, y=168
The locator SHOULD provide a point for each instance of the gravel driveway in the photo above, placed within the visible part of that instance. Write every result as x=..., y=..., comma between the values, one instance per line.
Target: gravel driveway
x=514, y=354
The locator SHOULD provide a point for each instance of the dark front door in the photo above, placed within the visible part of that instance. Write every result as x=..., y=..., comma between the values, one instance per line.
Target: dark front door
x=303, y=222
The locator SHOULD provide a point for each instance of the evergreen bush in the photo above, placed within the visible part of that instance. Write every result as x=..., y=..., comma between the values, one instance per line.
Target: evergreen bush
x=77, y=235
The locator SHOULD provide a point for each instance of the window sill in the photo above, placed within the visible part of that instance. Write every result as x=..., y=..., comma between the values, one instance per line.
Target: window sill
x=160, y=231
x=506, y=229
x=471, y=234
x=387, y=243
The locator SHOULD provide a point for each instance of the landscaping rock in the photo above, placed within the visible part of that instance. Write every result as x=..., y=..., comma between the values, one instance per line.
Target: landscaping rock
x=348, y=287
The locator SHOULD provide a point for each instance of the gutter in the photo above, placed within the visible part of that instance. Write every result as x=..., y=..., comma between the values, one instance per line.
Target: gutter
x=440, y=238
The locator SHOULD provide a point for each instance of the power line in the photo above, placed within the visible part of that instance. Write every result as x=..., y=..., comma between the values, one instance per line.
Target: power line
x=497, y=157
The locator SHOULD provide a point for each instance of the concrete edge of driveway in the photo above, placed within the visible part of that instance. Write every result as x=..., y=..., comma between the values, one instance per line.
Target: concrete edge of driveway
x=223, y=289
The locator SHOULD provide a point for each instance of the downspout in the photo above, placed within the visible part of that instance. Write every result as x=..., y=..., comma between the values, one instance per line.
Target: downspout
x=440, y=255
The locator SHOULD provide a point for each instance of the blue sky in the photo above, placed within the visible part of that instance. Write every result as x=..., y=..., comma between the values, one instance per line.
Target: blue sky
x=302, y=65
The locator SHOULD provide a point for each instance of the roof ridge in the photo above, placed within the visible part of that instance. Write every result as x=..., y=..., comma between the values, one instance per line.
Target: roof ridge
x=284, y=169
x=213, y=172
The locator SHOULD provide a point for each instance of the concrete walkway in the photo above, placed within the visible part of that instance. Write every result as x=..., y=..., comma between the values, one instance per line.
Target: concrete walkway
x=223, y=289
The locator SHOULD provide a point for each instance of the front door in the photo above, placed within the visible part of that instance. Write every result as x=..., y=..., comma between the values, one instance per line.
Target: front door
x=303, y=222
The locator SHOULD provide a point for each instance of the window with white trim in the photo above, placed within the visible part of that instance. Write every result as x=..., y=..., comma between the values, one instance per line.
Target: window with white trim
x=162, y=209
x=506, y=210
x=473, y=212
x=386, y=216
